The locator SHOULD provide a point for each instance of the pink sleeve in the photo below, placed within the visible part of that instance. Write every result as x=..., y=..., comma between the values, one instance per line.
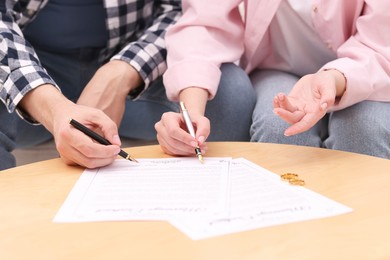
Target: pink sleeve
x=365, y=57
x=208, y=34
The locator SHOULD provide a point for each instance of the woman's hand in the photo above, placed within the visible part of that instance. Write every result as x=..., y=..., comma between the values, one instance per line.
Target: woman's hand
x=172, y=133
x=174, y=138
x=309, y=100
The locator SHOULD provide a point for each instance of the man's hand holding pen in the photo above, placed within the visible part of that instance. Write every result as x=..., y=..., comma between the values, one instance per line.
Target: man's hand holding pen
x=49, y=107
x=98, y=138
x=76, y=148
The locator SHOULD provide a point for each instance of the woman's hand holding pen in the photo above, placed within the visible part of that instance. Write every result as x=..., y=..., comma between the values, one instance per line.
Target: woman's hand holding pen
x=172, y=133
x=174, y=138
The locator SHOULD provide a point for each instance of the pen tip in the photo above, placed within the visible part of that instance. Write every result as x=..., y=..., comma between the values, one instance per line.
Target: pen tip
x=200, y=157
x=134, y=160
x=128, y=157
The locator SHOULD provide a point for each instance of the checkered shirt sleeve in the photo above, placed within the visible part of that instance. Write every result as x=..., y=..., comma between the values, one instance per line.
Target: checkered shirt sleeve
x=147, y=54
x=20, y=69
x=136, y=35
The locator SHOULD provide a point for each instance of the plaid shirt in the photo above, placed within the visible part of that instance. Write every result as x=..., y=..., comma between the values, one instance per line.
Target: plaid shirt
x=136, y=30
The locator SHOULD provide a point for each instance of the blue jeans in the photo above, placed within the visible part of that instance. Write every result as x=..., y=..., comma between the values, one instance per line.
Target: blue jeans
x=362, y=128
x=72, y=71
x=234, y=101
x=230, y=112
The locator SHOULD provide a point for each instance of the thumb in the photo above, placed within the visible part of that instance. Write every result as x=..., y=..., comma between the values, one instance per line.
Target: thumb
x=327, y=100
x=108, y=128
x=202, y=129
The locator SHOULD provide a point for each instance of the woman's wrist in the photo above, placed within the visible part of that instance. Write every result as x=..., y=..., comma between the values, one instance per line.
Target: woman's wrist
x=340, y=81
x=195, y=99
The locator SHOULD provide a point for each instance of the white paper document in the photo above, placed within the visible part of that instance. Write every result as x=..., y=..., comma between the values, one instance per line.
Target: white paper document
x=218, y=197
x=154, y=189
x=258, y=198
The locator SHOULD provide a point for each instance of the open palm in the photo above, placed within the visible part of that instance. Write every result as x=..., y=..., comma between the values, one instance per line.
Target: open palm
x=307, y=102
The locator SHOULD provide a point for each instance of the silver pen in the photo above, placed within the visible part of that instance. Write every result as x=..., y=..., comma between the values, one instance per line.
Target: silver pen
x=190, y=128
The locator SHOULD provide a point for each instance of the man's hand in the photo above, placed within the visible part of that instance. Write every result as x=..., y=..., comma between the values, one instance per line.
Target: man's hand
x=109, y=88
x=49, y=107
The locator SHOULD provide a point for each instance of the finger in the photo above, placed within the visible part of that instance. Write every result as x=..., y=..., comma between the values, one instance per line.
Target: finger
x=289, y=117
x=175, y=147
x=72, y=156
x=161, y=138
x=307, y=122
x=97, y=151
x=172, y=136
x=87, y=146
x=275, y=102
x=164, y=146
x=202, y=130
x=202, y=125
x=92, y=163
x=178, y=140
x=325, y=102
x=284, y=102
x=108, y=127
x=327, y=97
x=202, y=144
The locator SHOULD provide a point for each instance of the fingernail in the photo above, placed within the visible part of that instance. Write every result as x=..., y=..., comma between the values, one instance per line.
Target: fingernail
x=117, y=151
x=194, y=144
x=201, y=139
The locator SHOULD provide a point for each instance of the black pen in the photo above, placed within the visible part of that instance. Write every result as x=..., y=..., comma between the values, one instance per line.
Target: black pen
x=98, y=138
x=190, y=128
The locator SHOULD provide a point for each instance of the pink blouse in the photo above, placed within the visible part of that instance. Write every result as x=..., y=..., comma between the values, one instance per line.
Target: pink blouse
x=213, y=32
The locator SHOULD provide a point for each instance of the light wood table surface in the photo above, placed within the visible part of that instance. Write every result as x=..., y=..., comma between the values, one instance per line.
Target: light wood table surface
x=31, y=195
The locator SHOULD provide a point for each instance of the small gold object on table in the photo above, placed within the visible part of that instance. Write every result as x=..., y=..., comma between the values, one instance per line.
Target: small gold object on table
x=292, y=178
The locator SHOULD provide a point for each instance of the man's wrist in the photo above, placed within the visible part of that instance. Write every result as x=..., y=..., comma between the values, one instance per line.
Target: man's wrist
x=133, y=80
x=42, y=102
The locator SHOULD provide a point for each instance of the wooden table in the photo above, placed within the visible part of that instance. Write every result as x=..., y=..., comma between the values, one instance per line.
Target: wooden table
x=31, y=195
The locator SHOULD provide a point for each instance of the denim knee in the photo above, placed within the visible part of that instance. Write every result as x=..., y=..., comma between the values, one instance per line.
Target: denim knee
x=7, y=138
x=230, y=112
x=363, y=128
x=269, y=128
